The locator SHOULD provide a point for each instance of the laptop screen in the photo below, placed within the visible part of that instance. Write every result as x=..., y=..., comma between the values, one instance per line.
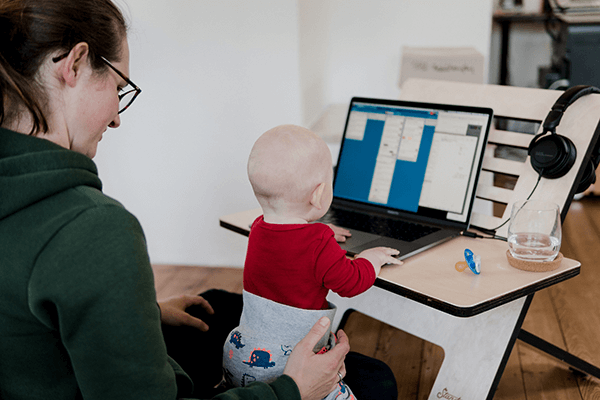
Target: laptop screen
x=414, y=158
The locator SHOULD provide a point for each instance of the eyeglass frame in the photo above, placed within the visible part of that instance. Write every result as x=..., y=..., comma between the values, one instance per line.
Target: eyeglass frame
x=135, y=89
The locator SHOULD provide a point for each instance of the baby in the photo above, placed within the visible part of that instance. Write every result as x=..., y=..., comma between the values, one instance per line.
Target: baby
x=291, y=263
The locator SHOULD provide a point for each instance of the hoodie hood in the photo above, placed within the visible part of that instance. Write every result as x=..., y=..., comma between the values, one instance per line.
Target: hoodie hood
x=32, y=169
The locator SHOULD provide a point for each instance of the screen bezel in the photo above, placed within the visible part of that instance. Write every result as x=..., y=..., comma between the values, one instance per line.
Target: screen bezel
x=426, y=215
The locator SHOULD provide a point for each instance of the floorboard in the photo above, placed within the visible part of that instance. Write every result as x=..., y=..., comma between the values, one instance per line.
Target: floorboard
x=511, y=385
x=543, y=376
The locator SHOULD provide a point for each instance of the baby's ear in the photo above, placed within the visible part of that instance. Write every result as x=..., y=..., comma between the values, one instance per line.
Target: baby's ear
x=317, y=195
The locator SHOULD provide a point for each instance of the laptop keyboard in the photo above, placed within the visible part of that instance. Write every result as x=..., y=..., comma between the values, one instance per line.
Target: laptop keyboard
x=406, y=231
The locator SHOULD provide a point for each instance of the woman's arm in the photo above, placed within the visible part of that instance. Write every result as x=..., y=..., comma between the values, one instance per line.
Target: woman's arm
x=93, y=285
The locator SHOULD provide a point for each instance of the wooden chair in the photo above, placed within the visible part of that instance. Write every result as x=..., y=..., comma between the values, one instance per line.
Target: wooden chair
x=579, y=123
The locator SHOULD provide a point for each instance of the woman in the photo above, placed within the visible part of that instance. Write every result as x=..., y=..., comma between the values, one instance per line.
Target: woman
x=78, y=313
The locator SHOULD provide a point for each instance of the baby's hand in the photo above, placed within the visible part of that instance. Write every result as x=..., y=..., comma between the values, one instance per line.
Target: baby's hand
x=340, y=233
x=379, y=256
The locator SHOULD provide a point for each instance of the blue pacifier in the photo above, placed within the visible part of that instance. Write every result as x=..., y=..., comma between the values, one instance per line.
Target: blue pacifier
x=473, y=261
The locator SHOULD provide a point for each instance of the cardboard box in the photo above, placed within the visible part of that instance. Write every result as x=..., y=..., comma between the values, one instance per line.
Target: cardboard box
x=460, y=64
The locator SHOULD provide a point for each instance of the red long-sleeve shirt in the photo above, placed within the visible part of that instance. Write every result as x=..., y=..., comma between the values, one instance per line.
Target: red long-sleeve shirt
x=297, y=264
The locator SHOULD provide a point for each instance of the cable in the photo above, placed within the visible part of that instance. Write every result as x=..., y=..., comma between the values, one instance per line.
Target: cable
x=493, y=230
x=478, y=236
x=548, y=26
x=536, y=184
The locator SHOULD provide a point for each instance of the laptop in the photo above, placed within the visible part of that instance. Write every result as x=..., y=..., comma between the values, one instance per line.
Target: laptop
x=407, y=173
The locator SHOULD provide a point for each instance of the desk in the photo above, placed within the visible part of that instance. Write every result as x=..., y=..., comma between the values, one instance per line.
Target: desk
x=476, y=319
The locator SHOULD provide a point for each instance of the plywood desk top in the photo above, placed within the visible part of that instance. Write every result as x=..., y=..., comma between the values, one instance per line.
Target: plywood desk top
x=430, y=277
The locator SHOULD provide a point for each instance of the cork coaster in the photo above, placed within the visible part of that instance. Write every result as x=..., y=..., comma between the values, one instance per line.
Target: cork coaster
x=534, y=266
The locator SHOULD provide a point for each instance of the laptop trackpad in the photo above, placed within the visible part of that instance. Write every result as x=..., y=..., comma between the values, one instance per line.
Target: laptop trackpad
x=381, y=241
x=357, y=240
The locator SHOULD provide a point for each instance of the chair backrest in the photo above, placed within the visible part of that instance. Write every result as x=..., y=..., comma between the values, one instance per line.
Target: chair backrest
x=579, y=123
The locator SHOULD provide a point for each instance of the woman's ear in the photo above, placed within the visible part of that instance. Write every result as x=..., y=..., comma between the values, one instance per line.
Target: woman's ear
x=71, y=66
x=317, y=196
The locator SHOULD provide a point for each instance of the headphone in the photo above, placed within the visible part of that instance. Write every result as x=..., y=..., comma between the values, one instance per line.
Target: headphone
x=552, y=156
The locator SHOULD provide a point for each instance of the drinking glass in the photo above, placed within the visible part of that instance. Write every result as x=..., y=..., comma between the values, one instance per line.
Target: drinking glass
x=534, y=231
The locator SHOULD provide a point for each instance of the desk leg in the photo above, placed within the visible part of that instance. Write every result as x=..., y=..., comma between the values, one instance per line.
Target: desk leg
x=475, y=349
x=575, y=362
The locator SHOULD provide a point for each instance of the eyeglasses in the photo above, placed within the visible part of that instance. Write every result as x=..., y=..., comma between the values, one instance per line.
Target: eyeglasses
x=126, y=95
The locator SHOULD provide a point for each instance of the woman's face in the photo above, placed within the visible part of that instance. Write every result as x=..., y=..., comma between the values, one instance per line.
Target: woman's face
x=95, y=105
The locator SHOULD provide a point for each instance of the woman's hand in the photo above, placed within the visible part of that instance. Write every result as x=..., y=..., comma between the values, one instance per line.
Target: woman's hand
x=172, y=311
x=340, y=233
x=316, y=375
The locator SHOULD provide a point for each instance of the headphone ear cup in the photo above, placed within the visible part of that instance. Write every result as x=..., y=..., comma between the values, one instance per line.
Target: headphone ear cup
x=589, y=177
x=552, y=155
x=589, y=174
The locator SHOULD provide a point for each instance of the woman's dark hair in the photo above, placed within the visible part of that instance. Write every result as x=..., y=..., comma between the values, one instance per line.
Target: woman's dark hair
x=31, y=30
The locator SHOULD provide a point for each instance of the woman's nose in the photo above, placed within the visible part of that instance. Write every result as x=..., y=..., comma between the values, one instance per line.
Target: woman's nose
x=115, y=123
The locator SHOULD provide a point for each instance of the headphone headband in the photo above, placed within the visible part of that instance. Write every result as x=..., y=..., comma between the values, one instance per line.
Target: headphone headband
x=553, y=156
x=565, y=100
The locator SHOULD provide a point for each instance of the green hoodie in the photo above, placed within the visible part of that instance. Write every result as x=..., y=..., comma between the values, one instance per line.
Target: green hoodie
x=78, y=314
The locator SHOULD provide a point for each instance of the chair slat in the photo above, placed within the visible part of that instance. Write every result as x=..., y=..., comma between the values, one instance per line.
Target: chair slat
x=485, y=221
x=508, y=138
x=502, y=166
x=493, y=193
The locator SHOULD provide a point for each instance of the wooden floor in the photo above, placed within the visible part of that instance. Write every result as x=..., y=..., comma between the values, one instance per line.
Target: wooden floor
x=566, y=315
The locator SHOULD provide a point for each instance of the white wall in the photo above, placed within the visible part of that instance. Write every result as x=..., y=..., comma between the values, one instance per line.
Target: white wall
x=354, y=48
x=216, y=74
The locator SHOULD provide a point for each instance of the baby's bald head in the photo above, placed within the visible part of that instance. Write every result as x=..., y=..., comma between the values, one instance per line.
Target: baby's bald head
x=286, y=164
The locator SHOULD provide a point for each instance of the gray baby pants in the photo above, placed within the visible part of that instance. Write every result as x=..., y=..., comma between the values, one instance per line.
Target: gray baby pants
x=258, y=349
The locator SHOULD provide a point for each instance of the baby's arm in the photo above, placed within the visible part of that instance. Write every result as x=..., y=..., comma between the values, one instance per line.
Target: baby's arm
x=379, y=256
x=344, y=276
